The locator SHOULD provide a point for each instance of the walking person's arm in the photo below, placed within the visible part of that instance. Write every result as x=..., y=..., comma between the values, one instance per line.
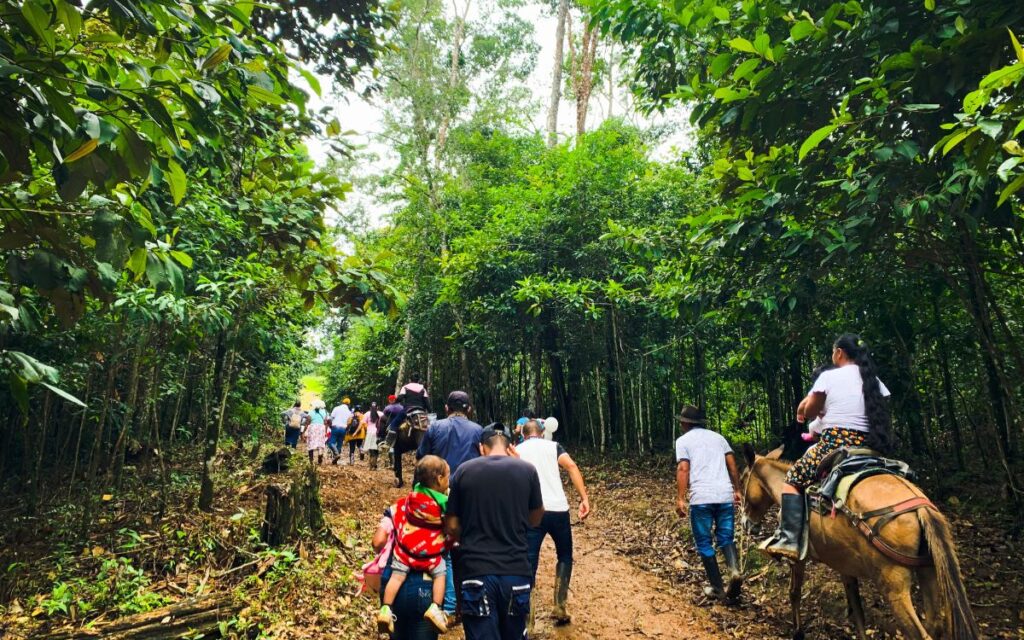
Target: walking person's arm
x=682, y=486
x=734, y=476
x=566, y=462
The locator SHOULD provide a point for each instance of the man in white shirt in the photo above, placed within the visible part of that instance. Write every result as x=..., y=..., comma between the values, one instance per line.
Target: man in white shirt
x=708, y=487
x=549, y=458
x=340, y=416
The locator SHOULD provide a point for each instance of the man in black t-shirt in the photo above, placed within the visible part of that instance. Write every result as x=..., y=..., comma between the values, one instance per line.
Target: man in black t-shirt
x=494, y=499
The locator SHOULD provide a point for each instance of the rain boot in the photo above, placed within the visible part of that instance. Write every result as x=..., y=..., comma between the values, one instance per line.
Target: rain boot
x=786, y=541
x=715, y=589
x=732, y=562
x=563, y=573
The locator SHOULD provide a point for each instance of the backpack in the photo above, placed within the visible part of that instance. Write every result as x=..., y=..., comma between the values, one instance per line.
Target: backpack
x=295, y=419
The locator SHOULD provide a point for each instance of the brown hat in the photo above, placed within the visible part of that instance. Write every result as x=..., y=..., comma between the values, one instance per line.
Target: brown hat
x=692, y=415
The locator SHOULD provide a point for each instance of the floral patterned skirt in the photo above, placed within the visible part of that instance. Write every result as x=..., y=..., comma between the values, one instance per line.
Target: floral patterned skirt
x=801, y=474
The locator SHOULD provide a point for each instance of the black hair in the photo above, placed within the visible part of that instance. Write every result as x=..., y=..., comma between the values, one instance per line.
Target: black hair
x=374, y=414
x=298, y=403
x=880, y=437
x=415, y=377
x=534, y=427
x=529, y=413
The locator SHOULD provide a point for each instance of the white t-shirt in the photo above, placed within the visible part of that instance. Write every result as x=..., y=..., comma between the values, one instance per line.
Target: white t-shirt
x=340, y=416
x=709, y=477
x=844, y=398
x=543, y=454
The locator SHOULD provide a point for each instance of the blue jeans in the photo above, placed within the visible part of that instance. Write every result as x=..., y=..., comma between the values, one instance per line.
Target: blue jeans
x=337, y=437
x=449, y=585
x=413, y=599
x=702, y=516
x=291, y=436
x=495, y=607
x=554, y=524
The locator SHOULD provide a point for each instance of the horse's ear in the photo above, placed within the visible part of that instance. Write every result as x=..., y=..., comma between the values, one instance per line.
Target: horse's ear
x=749, y=454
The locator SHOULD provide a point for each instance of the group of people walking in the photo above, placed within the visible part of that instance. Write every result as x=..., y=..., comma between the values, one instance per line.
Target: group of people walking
x=468, y=536
x=476, y=546
x=329, y=434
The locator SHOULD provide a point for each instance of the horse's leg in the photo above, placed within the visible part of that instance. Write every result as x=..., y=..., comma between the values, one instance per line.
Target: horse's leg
x=796, y=588
x=931, y=596
x=896, y=582
x=856, y=605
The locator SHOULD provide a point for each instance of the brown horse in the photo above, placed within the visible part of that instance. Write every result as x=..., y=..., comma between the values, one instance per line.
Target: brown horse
x=836, y=542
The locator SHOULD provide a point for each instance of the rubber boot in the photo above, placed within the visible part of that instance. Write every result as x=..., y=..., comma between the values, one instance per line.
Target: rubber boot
x=563, y=573
x=732, y=562
x=715, y=589
x=786, y=541
x=389, y=441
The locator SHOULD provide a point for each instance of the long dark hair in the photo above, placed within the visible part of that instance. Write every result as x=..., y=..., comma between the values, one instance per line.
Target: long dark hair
x=374, y=414
x=876, y=410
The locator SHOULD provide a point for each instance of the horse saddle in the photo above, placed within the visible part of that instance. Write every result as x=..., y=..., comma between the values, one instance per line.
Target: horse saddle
x=843, y=469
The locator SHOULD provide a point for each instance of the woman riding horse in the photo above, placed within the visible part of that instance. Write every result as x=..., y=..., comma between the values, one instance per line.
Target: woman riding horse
x=850, y=401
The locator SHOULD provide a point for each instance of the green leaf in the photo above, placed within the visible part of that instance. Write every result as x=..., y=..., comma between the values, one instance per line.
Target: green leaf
x=815, y=139
x=721, y=13
x=801, y=30
x=929, y=5
x=745, y=174
x=311, y=80
x=260, y=94
x=1016, y=46
x=975, y=100
x=183, y=258
x=1004, y=169
x=63, y=394
x=39, y=20
x=1002, y=77
x=176, y=180
x=1011, y=189
x=746, y=68
x=216, y=57
x=137, y=262
x=333, y=128
x=960, y=24
x=955, y=139
x=742, y=44
x=719, y=64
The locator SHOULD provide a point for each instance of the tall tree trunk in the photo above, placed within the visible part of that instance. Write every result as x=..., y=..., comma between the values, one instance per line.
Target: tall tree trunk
x=556, y=73
x=213, y=424
x=582, y=65
x=454, y=78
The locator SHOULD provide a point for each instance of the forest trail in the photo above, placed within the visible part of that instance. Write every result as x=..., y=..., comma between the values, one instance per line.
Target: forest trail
x=609, y=598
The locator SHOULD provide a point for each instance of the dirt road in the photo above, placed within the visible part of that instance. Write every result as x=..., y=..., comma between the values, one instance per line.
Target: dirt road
x=609, y=598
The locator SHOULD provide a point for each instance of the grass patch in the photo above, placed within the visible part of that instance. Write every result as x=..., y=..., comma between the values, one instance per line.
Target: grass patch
x=313, y=384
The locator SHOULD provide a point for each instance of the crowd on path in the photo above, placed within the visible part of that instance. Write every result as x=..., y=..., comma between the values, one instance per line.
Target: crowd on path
x=328, y=435
x=464, y=544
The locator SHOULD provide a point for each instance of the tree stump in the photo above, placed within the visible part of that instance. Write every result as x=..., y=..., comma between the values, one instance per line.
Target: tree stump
x=276, y=461
x=292, y=507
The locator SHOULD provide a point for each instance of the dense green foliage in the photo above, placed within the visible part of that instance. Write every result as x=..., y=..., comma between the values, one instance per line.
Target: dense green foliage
x=163, y=226
x=856, y=168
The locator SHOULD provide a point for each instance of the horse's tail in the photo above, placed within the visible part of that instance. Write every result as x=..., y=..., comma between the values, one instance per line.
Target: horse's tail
x=960, y=623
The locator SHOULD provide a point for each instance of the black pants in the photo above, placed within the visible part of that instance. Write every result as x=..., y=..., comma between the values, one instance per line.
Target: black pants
x=554, y=524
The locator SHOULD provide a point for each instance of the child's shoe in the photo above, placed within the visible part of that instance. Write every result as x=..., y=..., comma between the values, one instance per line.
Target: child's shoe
x=385, y=620
x=437, y=618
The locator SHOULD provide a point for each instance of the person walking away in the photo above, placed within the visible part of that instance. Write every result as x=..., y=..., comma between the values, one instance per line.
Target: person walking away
x=494, y=500
x=340, y=416
x=292, y=419
x=706, y=476
x=316, y=434
x=392, y=419
x=549, y=458
x=455, y=439
x=371, y=420
x=412, y=396
x=850, y=400
x=354, y=435
x=419, y=541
